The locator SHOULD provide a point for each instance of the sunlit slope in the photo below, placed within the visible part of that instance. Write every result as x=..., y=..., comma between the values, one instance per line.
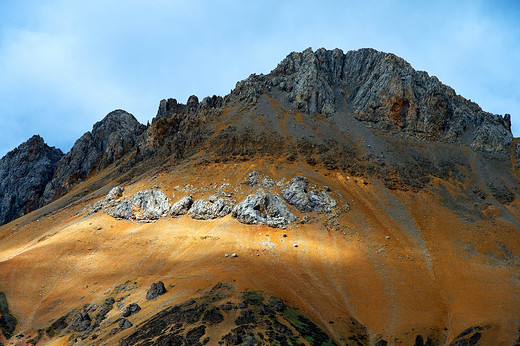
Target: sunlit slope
x=402, y=264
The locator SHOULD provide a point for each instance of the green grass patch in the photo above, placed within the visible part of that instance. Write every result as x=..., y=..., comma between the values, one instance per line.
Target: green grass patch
x=7, y=321
x=253, y=298
x=307, y=329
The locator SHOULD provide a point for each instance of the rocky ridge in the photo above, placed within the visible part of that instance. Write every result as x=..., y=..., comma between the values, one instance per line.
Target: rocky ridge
x=109, y=140
x=258, y=208
x=380, y=90
x=24, y=173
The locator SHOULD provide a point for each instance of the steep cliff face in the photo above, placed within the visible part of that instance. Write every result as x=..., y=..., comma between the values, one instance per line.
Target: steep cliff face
x=384, y=90
x=108, y=141
x=24, y=173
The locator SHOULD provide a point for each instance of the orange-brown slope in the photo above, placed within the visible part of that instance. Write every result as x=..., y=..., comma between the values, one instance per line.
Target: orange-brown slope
x=400, y=263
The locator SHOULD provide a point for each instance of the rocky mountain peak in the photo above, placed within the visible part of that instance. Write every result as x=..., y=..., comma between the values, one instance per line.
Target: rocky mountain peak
x=109, y=140
x=382, y=90
x=24, y=173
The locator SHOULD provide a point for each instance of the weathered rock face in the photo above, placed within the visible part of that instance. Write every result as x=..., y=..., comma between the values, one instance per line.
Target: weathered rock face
x=144, y=205
x=108, y=141
x=155, y=290
x=213, y=208
x=263, y=208
x=296, y=194
x=110, y=202
x=517, y=156
x=382, y=89
x=169, y=108
x=182, y=206
x=24, y=173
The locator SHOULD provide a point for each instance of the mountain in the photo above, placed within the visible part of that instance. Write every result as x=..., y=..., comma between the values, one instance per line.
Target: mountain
x=343, y=198
x=108, y=141
x=24, y=172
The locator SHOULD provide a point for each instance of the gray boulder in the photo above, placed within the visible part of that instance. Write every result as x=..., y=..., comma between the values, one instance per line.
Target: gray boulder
x=108, y=203
x=115, y=193
x=109, y=140
x=144, y=205
x=213, y=208
x=81, y=322
x=321, y=201
x=155, y=290
x=182, y=206
x=124, y=323
x=263, y=209
x=24, y=173
x=131, y=309
x=296, y=194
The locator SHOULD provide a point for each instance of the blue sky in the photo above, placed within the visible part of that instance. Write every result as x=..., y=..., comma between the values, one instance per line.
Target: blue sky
x=65, y=64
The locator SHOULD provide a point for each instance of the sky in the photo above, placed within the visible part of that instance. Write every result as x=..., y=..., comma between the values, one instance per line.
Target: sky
x=65, y=64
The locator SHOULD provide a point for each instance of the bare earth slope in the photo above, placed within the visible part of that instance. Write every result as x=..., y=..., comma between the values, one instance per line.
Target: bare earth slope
x=403, y=228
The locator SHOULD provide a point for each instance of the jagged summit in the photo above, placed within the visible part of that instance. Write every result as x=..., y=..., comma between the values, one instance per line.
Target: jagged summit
x=379, y=88
x=383, y=90
x=108, y=141
x=24, y=172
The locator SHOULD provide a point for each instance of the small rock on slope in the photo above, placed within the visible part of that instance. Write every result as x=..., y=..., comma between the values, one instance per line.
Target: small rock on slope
x=155, y=290
x=131, y=309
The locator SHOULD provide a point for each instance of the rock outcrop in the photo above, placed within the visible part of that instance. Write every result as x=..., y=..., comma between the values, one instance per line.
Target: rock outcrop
x=108, y=203
x=144, y=205
x=263, y=208
x=155, y=290
x=182, y=206
x=24, y=173
x=296, y=194
x=108, y=141
x=212, y=208
x=169, y=108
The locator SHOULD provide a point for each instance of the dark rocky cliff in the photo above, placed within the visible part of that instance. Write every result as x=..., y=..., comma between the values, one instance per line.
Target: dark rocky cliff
x=108, y=141
x=24, y=173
